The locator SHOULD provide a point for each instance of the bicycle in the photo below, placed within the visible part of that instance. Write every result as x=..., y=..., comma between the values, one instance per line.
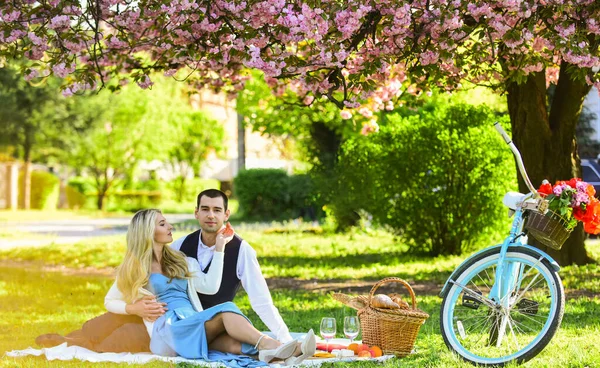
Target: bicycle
x=506, y=302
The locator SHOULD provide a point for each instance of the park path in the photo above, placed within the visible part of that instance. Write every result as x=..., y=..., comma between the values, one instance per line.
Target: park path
x=44, y=232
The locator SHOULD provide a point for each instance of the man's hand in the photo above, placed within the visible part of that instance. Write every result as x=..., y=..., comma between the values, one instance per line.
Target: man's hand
x=224, y=236
x=147, y=308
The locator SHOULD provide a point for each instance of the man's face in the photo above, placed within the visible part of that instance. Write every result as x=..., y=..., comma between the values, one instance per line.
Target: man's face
x=211, y=214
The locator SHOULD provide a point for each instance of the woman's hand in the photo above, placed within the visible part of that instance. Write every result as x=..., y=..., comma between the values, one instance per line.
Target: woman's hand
x=147, y=308
x=224, y=236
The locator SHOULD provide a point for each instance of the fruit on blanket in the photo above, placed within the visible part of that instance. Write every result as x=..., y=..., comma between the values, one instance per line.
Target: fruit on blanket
x=376, y=351
x=354, y=348
x=364, y=347
x=365, y=354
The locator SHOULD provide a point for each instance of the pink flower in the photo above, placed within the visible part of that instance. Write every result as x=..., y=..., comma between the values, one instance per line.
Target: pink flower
x=145, y=82
x=346, y=114
x=308, y=99
x=369, y=127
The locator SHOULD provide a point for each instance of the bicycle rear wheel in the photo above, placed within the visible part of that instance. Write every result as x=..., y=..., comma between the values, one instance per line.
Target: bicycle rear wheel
x=517, y=328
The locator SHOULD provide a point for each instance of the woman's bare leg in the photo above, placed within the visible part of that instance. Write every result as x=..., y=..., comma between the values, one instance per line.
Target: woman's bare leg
x=226, y=344
x=239, y=329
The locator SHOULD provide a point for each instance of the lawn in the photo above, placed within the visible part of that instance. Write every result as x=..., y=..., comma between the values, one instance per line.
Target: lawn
x=302, y=269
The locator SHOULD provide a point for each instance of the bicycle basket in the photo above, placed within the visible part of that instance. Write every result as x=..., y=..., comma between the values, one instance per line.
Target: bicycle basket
x=549, y=229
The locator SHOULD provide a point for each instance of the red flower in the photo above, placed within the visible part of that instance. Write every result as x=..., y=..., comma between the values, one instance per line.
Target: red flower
x=573, y=182
x=545, y=188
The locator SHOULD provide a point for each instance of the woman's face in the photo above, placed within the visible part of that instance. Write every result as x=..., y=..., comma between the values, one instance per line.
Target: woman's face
x=162, y=231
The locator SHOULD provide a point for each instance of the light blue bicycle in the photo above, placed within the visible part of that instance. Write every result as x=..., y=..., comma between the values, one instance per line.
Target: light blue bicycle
x=506, y=302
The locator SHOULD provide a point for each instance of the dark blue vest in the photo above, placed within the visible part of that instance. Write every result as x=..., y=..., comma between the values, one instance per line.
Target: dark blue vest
x=230, y=282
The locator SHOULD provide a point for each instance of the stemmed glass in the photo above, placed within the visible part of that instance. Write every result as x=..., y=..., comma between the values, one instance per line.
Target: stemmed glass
x=328, y=329
x=351, y=327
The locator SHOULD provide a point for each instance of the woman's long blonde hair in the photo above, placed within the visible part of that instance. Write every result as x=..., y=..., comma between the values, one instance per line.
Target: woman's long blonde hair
x=134, y=272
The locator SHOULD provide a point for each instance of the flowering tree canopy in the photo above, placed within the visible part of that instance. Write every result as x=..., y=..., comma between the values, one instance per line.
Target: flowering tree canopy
x=360, y=48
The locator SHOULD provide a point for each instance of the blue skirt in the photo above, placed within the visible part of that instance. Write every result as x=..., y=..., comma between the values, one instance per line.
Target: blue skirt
x=181, y=332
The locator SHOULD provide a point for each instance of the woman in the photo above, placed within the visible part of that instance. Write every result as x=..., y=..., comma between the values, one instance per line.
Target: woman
x=151, y=268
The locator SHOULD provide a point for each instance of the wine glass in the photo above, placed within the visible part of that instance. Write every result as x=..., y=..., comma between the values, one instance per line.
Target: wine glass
x=351, y=327
x=328, y=329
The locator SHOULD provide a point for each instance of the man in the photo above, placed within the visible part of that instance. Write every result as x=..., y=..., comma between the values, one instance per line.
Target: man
x=126, y=333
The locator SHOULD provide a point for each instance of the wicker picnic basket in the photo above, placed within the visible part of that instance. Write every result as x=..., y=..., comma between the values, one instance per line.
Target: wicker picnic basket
x=393, y=330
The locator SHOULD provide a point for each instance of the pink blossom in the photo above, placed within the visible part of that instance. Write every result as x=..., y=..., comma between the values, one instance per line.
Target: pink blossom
x=346, y=114
x=428, y=57
x=59, y=22
x=31, y=74
x=145, y=82
x=308, y=99
x=10, y=16
x=61, y=70
x=369, y=127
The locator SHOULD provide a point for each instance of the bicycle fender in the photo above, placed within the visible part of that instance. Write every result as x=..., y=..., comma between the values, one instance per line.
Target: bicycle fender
x=543, y=254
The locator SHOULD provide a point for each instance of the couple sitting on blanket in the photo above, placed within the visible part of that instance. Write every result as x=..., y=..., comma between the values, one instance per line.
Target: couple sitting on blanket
x=185, y=303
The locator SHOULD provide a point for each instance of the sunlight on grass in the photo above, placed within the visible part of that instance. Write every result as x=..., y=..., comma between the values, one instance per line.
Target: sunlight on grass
x=61, y=303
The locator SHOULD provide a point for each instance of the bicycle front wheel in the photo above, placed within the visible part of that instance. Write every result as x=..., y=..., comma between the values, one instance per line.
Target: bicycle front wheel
x=516, y=327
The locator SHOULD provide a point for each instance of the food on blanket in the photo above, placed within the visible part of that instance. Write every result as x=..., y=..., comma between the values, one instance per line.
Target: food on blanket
x=342, y=353
x=359, y=302
x=364, y=347
x=325, y=347
x=365, y=354
x=323, y=354
x=354, y=348
x=376, y=351
x=383, y=301
x=397, y=298
x=347, y=353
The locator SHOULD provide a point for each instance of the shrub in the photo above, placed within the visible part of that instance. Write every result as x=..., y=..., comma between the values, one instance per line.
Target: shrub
x=80, y=193
x=45, y=189
x=436, y=178
x=75, y=199
x=133, y=200
x=263, y=194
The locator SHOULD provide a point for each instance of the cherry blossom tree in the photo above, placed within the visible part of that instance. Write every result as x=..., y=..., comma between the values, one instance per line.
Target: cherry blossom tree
x=357, y=53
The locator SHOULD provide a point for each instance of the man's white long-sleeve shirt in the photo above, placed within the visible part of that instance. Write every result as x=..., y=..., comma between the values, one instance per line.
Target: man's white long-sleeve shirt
x=248, y=271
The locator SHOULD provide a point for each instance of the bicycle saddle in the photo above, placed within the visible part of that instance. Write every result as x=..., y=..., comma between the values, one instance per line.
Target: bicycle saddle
x=513, y=200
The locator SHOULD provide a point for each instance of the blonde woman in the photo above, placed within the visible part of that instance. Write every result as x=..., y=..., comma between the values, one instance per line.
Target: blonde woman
x=222, y=333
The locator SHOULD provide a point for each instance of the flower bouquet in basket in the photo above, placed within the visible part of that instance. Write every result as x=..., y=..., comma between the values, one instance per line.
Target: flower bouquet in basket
x=568, y=203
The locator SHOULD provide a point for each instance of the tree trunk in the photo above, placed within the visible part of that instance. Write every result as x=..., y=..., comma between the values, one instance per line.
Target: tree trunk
x=180, y=188
x=27, y=144
x=27, y=184
x=546, y=138
x=100, y=202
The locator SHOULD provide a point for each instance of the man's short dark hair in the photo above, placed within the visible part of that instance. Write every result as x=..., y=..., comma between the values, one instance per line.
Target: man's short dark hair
x=212, y=193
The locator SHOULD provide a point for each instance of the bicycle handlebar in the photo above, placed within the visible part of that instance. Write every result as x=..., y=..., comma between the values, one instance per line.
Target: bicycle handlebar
x=517, y=158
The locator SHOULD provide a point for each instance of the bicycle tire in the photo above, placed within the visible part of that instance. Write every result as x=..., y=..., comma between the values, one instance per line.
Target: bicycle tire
x=469, y=270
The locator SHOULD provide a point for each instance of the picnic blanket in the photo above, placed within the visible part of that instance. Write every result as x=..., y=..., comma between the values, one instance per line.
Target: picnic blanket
x=64, y=352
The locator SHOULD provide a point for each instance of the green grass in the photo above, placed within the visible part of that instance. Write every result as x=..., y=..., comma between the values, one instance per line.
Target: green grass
x=35, y=301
